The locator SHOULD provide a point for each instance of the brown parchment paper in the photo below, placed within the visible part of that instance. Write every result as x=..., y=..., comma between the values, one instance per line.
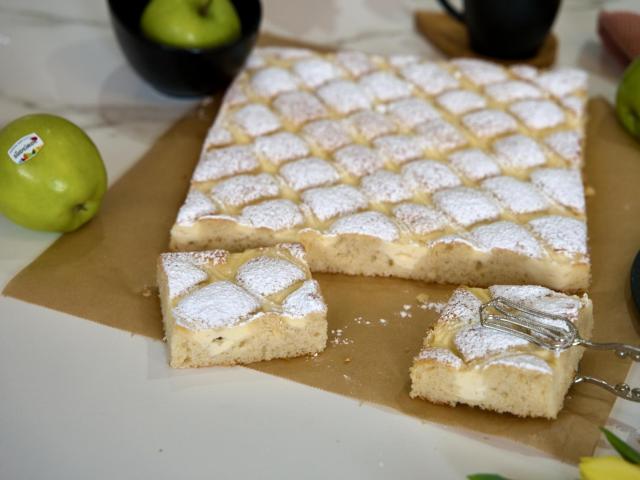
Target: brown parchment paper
x=105, y=272
x=450, y=36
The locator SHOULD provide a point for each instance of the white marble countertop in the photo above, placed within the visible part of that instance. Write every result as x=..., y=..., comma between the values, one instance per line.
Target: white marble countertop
x=81, y=400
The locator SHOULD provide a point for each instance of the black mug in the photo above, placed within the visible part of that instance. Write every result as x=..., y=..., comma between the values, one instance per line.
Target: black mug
x=512, y=29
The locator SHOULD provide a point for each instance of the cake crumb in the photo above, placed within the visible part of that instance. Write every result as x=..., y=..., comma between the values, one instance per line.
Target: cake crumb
x=347, y=360
x=147, y=291
x=589, y=191
x=382, y=321
x=406, y=306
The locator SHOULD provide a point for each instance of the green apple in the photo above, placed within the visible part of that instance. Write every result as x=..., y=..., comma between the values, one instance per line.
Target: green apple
x=628, y=99
x=51, y=174
x=191, y=23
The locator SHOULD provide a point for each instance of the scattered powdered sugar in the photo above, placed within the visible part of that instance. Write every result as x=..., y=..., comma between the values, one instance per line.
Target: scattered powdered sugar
x=420, y=219
x=256, y=119
x=510, y=236
x=243, y=189
x=196, y=205
x=564, y=235
x=316, y=71
x=217, y=305
x=439, y=135
x=489, y=123
x=299, y=107
x=522, y=362
x=344, y=96
x=398, y=148
x=278, y=214
x=563, y=81
x=476, y=342
x=562, y=185
x=264, y=276
x=356, y=63
x=272, y=81
x=359, y=160
x=466, y=205
x=385, y=86
x=309, y=172
x=474, y=164
x=374, y=224
x=338, y=339
x=525, y=72
x=281, y=147
x=440, y=355
x=429, y=77
x=518, y=196
x=326, y=203
x=567, y=144
x=182, y=272
x=480, y=72
x=461, y=101
x=305, y=300
x=512, y=90
x=518, y=151
x=328, y=134
x=463, y=306
x=370, y=124
x=437, y=307
x=224, y=162
x=575, y=104
x=429, y=176
x=412, y=112
x=385, y=186
x=538, y=114
x=218, y=137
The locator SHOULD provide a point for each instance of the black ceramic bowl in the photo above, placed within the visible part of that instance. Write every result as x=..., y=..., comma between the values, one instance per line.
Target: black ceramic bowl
x=182, y=71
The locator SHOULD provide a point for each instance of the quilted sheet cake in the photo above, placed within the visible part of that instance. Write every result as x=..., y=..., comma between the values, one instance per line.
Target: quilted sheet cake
x=222, y=308
x=455, y=172
x=463, y=362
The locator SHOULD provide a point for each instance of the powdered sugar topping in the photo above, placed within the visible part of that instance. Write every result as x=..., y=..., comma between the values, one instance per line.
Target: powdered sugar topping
x=518, y=152
x=256, y=119
x=309, y=172
x=420, y=219
x=305, y=300
x=466, y=206
x=538, y=114
x=243, y=189
x=265, y=275
x=474, y=164
x=506, y=235
x=562, y=185
x=374, y=224
x=489, y=123
x=518, y=196
x=196, y=205
x=326, y=203
x=278, y=214
x=564, y=235
x=224, y=162
x=281, y=147
x=428, y=176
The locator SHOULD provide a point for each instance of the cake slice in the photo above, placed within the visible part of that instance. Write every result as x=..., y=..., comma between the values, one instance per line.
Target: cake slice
x=463, y=362
x=222, y=308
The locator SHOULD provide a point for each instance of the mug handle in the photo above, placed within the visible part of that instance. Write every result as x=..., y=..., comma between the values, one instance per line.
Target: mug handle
x=458, y=15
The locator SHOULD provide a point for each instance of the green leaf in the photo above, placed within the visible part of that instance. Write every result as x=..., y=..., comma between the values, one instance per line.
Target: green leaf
x=486, y=476
x=622, y=447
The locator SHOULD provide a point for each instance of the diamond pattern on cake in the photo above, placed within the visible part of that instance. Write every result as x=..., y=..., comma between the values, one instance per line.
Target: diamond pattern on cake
x=327, y=134
x=373, y=224
x=564, y=235
x=399, y=148
x=538, y=114
x=281, y=147
x=196, y=205
x=385, y=186
x=314, y=71
x=518, y=152
x=429, y=77
x=474, y=164
x=512, y=90
x=466, y=206
x=344, y=96
x=562, y=185
x=243, y=189
x=428, y=176
x=224, y=162
x=265, y=275
x=412, y=112
x=309, y=172
x=370, y=124
x=299, y=107
x=461, y=101
x=420, y=219
x=480, y=72
x=489, y=123
x=329, y=202
x=440, y=136
x=384, y=86
x=359, y=160
x=518, y=196
x=273, y=81
x=272, y=214
x=509, y=236
x=256, y=119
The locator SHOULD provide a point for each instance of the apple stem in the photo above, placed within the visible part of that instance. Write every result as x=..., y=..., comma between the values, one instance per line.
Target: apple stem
x=204, y=9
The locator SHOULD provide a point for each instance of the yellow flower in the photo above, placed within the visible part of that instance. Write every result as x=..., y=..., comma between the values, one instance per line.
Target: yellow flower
x=608, y=468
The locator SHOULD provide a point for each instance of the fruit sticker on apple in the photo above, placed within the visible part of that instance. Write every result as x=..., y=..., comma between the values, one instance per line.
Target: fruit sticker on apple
x=53, y=177
x=25, y=148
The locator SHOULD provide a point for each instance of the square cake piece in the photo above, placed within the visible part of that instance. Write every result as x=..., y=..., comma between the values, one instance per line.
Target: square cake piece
x=222, y=308
x=463, y=362
x=460, y=172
